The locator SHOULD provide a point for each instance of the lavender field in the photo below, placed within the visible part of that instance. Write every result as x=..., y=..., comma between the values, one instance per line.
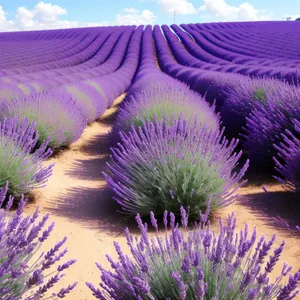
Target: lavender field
x=167, y=155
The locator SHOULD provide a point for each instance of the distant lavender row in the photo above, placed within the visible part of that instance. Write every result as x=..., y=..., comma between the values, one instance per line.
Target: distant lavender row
x=214, y=39
x=83, y=51
x=110, y=50
x=229, y=61
x=267, y=35
x=43, y=49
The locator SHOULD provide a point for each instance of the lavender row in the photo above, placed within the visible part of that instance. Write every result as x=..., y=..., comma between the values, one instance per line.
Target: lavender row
x=265, y=45
x=239, y=63
x=211, y=42
x=288, y=31
x=214, y=38
x=22, y=49
x=72, y=57
x=158, y=113
x=59, y=71
x=109, y=60
x=18, y=50
x=109, y=55
x=207, y=39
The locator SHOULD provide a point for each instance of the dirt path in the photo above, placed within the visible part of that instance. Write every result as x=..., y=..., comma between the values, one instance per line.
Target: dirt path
x=82, y=208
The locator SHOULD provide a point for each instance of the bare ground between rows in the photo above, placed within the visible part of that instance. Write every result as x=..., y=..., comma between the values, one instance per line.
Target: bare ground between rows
x=82, y=207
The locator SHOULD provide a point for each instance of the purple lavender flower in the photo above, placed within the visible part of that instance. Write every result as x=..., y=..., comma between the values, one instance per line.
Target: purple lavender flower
x=242, y=94
x=268, y=121
x=62, y=293
x=10, y=91
x=56, y=114
x=288, y=162
x=23, y=169
x=160, y=98
x=171, y=275
x=22, y=275
x=289, y=289
x=88, y=98
x=195, y=164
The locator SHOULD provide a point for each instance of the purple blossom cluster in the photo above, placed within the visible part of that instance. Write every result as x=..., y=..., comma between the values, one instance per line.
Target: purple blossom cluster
x=56, y=114
x=243, y=97
x=160, y=98
x=288, y=161
x=25, y=272
x=163, y=166
x=9, y=91
x=87, y=98
x=21, y=161
x=198, y=263
x=268, y=121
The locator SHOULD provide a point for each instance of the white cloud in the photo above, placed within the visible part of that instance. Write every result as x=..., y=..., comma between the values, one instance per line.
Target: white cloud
x=225, y=12
x=24, y=18
x=47, y=16
x=5, y=25
x=42, y=16
x=131, y=10
x=182, y=7
x=135, y=17
x=47, y=12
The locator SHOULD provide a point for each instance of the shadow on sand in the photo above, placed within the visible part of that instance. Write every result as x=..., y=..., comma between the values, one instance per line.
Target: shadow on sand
x=92, y=207
x=279, y=210
x=258, y=178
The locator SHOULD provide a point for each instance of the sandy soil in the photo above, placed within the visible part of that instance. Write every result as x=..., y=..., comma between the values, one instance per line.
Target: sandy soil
x=82, y=208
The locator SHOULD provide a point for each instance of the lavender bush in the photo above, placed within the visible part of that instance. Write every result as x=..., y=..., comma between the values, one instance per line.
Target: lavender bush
x=289, y=152
x=25, y=273
x=56, y=114
x=163, y=98
x=22, y=169
x=268, y=120
x=88, y=99
x=196, y=264
x=83, y=100
x=162, y=166
x=9, y=91
x=241, y=98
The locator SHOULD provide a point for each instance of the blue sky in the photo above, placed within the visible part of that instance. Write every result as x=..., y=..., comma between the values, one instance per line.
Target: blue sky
x=34, y=14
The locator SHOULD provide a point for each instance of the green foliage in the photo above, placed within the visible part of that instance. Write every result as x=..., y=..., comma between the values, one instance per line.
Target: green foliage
x=162, y=282
x=260, y=95
x=162, y=167
x=57, y=116
x=15, y=167
x=160, y=100
x=20, y=165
